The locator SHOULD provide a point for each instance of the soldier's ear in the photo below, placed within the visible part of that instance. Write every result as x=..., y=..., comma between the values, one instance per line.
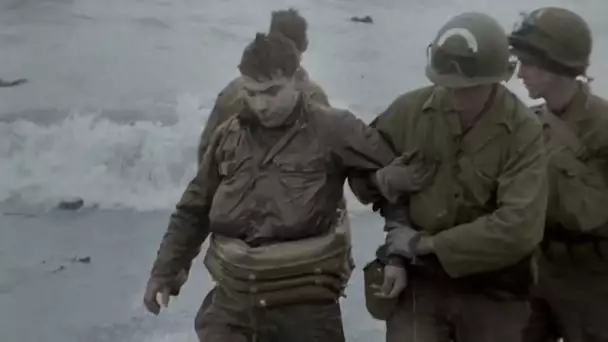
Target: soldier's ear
x=511, y=68
x=305, y=45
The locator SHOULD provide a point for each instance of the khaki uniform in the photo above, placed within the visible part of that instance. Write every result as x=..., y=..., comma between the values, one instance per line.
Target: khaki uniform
x=571, y=299
x=485, y=209
x=272, y=198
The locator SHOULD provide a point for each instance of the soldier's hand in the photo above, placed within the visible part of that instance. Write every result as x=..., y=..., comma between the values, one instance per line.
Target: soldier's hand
x=181, y=279
x=395, y=281
x=154, y=289
x=406, y=174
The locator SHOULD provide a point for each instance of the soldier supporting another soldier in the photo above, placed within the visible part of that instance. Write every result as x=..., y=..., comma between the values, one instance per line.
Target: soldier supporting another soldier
x=267, y=195
x=571, y=299
x=466, y=253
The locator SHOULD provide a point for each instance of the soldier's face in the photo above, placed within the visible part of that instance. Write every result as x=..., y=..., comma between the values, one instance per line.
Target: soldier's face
x=469, y=100
x=272, y=100
x=537, y=80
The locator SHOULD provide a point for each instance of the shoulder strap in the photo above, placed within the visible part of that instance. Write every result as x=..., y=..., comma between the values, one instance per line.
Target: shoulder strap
x=562, y=132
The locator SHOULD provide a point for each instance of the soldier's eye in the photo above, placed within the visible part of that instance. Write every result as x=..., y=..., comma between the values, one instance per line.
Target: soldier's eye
x=272, y=90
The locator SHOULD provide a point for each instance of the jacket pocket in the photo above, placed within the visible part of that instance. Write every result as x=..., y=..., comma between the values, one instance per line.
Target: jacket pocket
x=478, y=186
x=301, y=173
x=581, y=191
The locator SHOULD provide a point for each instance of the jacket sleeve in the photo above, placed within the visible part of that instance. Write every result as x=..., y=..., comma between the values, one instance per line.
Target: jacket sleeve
x=361, y=150
x=515, y=228
x=227, y=103
x=189, y=223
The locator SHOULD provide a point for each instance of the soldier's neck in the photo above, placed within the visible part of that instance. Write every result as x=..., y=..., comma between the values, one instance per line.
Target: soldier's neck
x=470, y=117
x=560, y=95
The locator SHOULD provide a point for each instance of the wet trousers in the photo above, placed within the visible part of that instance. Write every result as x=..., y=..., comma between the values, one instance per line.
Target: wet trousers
x=220, y=319
x=435, y=311
x=569, y=302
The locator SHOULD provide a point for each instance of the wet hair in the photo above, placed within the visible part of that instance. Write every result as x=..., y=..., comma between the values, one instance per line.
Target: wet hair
x=292, y=25
x=268, y=55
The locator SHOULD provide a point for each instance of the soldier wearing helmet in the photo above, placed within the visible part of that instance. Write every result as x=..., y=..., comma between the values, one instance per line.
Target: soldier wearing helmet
x=461, y=269
x=571, y=298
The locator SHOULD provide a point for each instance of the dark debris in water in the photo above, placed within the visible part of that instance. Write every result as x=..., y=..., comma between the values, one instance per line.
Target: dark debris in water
x=71, y=204
x=366, y=20
x=59, y=269
x=85, y=260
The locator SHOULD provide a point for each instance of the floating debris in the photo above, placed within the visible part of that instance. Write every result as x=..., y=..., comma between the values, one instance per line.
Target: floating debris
x=71, y=204
x=85, y=260
x=61, y=268
x=366, y=20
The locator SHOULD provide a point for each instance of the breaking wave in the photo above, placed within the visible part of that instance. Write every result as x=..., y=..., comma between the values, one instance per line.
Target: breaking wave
x=141, y=165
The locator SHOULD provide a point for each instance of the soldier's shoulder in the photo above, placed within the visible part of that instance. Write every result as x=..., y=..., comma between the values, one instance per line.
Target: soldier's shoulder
x=415, y=97
x=236, y=82
x=327, y=114
x=521, y=115
x=231, y=91
x=230, y=125
x=597, y=109
x=302, y=75
x=313, y=86
x=331, y=120
x=405, y=107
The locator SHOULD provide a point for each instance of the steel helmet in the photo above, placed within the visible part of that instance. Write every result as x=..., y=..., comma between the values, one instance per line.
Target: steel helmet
x=470, y=49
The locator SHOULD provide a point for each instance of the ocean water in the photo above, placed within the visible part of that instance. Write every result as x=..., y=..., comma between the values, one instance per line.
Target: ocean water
x=119, y=91
x=118, y=94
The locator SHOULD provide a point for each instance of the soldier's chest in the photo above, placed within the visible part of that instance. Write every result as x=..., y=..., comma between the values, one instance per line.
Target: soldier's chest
x=477, y=150
x=296, y=150
x=469, y=167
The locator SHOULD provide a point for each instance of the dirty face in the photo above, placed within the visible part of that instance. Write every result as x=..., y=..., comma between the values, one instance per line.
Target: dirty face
x=272, y=100
x=469, y=100
x=537, y=80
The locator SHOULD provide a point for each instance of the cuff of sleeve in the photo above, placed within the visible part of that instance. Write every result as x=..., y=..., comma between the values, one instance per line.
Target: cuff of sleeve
x=395, y=260
x=446, y=257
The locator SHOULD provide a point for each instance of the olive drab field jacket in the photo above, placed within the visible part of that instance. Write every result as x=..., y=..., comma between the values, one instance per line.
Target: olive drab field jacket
x=577, y=149
x=486, y=203
x=265, y=187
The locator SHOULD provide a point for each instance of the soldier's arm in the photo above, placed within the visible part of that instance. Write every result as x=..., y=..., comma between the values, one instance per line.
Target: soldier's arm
x=515, y=228
x=362, y=184
x=361, y=150
x=226, y=104
x=189, y=223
